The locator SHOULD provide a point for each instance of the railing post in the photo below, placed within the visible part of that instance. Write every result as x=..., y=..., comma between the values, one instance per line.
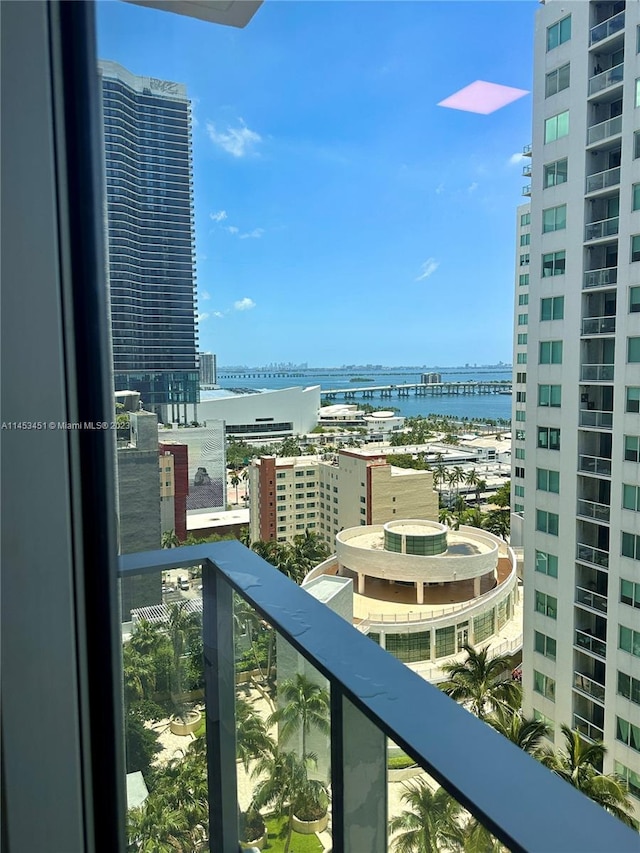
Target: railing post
x=219, y=691
x=358, y=780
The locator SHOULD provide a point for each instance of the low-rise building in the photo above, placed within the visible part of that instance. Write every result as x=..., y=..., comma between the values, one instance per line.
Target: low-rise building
x=423, y=591
x=289, y=495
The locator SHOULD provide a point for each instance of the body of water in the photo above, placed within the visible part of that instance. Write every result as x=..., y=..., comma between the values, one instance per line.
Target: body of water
x=485, y=406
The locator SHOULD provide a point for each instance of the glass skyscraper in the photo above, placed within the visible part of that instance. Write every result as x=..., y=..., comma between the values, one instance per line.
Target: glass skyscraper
x=149, y=184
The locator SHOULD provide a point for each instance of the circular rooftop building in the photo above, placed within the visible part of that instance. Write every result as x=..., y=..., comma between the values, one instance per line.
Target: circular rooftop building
x=423, y=591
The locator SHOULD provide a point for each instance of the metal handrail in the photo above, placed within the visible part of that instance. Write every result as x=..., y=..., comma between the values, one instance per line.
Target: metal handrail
x=483, y=771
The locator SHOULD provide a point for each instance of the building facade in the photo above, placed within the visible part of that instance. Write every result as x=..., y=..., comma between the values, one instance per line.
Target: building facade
x=208, y=370
x=581, y=522
x=289, y=495
x=149, y=191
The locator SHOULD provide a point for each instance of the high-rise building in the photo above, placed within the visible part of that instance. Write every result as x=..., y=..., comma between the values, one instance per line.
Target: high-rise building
x=149, y=188
x=581, y=519
x=208, y=371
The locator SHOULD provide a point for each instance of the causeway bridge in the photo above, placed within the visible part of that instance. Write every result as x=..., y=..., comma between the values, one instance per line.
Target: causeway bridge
x=420, y=389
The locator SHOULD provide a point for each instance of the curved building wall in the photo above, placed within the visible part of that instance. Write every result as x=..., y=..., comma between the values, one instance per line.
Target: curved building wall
x=353, y=553
x=289, y=411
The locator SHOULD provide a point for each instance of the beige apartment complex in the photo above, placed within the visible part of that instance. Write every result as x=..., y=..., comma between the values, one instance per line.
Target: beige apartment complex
x=355, y=487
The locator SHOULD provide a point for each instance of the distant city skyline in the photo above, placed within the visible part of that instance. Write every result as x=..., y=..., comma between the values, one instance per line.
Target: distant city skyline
x=341, y=214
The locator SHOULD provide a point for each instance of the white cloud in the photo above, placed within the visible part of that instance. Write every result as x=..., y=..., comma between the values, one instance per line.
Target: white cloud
x=244, y=304
x=218, y=215
x=203, y=316
x=428, y=268
x=237, y=141
x=255, y=234
x=516, y=158
x=204, y=296
x=439, y=189
x=218, y=314
x=232, y=229
x=472, y=187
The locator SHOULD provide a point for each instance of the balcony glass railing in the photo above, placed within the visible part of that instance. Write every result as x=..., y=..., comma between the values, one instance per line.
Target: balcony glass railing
x=601, y=277
x=606, y=28
x=526, y=171
x=587, y=685
x=604, y=129
x=598, y=325
x=526, y=190
x=527, y=150
x=591, y=599
x=606, y=78
x=601, y=420
x=602, y=180
x=371, y=697
x=602, y=228
x=595, y=556
x=589, y=730
x=594, y=465
x=584, y=640
x=596, y=373
x=596, y=511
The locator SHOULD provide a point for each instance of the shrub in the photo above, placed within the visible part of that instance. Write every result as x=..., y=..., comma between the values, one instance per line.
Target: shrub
x=251, y=825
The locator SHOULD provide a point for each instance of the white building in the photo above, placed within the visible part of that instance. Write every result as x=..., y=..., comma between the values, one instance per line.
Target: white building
x=261, y=415
x=582, y=443
x=423, y=591
x=377, y=426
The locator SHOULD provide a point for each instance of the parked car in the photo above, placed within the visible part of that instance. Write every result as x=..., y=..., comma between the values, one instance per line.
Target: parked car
x=184, y=584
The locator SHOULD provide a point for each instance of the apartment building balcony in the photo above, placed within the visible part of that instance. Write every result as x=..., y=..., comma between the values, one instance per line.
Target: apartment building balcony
x=604, y=130
x=585, y=642
x=592, y=556
x=607, y=81
x=526, y=190
x=526, y=171
x=602, y=229
x=588, y=686
x=596, y=372
x=588, y=730
x=602, y=277
x=594, y=419
x=527, y=151
x=605, y=30
x=591, y=599
x=594, y=465
x=598, y=326
x=593, y=511
x=602, y=180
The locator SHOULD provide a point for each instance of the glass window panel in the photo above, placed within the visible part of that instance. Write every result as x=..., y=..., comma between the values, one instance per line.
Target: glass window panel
x=633, y=350
x=634, y=300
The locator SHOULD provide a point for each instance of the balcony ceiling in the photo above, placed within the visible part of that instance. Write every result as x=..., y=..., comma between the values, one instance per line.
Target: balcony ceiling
x=232, y=13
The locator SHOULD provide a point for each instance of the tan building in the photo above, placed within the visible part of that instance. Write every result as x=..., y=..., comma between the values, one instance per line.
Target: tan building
x=357, y=487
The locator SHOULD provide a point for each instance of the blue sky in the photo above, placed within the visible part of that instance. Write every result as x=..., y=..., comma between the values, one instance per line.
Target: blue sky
x=342, y=217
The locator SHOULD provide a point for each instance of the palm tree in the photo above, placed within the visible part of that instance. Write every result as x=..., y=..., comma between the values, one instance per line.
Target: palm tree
x=498, y=522
x=445, y=516
x=482, y=681
x=235, y=481
x=478, y=839
x=252, y=738
x=285, y=779
x=153, y=827
x=577, y=765
x=525, y=732
x=139, y=674
x=481, y=486
x=182, y=626
x=429, y=824
x=439, y=474
x=460, y=478
x=473, y=517
x=307, y=707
